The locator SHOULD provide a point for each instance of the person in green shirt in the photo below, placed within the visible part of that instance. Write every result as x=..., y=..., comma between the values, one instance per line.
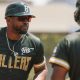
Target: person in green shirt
x=66, y=55
x=19, y=49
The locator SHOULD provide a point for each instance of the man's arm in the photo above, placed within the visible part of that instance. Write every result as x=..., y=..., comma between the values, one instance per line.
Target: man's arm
x=59, y=73
x=40, y=72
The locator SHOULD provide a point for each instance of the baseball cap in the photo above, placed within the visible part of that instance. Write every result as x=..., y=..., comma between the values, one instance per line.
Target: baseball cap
x=18, y=9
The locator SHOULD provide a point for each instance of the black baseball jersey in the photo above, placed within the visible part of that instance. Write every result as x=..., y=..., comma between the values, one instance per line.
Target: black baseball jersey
x=18, y=57
x=67, y=55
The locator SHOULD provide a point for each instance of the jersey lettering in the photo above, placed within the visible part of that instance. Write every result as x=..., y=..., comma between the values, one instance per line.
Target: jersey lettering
x=20, y=62
x=26, y=50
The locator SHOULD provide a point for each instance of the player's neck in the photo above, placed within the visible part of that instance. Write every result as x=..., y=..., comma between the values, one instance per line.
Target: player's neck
x=13, y=36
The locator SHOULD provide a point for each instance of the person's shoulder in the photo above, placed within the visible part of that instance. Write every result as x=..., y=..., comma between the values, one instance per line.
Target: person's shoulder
x=77, y=30
x=3, y=29
x=73, y=36
x=33, y=37
x=70, y=39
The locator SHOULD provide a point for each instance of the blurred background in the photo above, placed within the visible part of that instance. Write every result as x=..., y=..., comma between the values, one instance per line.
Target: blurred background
x=54, y=19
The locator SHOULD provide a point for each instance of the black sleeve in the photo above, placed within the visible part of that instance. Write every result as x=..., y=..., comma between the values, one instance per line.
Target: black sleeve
x=61, y=50
x=60, y=54
x=39, y=58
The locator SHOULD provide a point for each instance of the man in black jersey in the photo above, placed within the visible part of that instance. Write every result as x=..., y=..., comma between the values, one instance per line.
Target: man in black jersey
x=20, y=50
x=66, y=55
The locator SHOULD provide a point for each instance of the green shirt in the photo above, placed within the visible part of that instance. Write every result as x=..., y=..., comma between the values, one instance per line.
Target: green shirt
x=67, y=55
x=18, y=57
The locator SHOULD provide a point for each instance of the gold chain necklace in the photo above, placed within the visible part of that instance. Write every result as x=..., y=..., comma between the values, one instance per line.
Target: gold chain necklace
x=8, y=43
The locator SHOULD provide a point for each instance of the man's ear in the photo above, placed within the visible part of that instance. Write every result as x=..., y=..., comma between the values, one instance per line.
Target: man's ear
x=7, y=19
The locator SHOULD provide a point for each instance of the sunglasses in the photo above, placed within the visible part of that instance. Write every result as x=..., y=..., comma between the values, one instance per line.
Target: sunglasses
x=24, y=18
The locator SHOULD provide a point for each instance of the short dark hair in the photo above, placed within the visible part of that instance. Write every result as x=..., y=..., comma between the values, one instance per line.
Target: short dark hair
x=77, y=12
x=78, y=3
x=77, y=15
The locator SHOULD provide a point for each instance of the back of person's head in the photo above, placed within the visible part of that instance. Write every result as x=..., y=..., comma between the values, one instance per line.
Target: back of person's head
x=78, y=3
x=18, y=9
x=77, y=12
x=77, y=15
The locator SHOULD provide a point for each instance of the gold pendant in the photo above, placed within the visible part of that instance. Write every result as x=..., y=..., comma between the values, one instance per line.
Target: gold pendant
x=15, y=53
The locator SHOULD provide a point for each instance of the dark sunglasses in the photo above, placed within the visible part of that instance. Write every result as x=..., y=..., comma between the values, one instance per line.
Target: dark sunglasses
x=24, y=18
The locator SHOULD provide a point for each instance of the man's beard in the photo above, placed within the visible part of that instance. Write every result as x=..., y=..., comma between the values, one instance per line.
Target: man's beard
x=21, y=31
